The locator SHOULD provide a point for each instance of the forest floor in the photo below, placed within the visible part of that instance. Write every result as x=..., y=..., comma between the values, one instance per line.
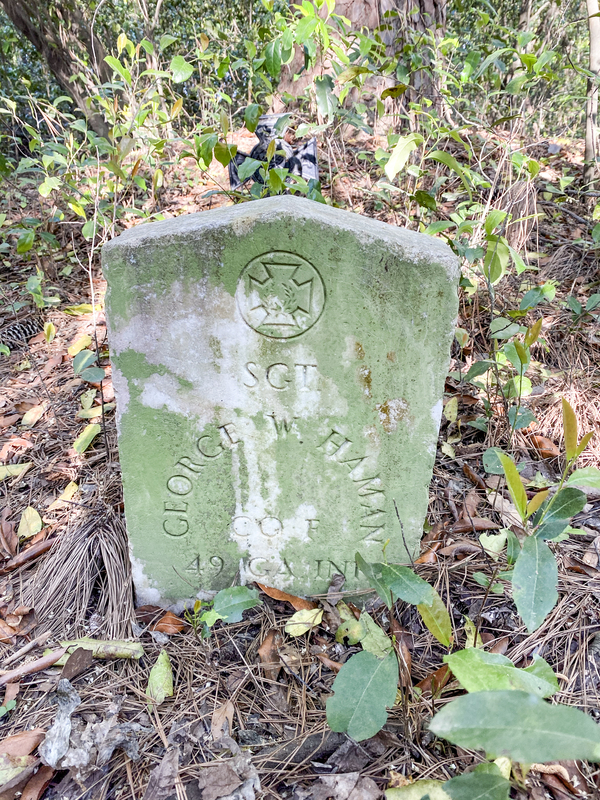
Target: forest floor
x=248, y=710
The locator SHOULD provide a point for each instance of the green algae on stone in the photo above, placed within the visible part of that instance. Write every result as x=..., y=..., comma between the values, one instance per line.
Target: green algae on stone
x=279, y=369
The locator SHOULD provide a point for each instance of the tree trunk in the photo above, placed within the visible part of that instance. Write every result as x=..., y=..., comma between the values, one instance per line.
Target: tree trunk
x=65, y=40
x=591, y=113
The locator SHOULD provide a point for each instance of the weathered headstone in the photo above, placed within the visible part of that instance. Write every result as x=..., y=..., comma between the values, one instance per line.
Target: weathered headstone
x=279, y=368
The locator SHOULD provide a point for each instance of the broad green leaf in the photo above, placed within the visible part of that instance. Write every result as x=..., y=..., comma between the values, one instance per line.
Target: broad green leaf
x=534, y=582
x=570, y=428
x=478, y=368
x=303, y=621
x=375, y=640
x=82, y=360
x=373, y=572
x=502, y=328
x=166, y=40
x=305, y=28
x=477, y=786
x=181, y=69
x=452, y=163
x=363, y=689
x=350, y=73
x=519, y=725
x=93, y=375
x=496, y=259
x=533, y=332
x=327, y=102
x=86, y=437
x=29, y=524
x=513, y=546
x=568, y=502
x=479, y=671
x=25, y=241
x=402, y=150
x=230, y=603
x=419, y=790
x=520, y=417
x=436, y=618
x=248, y=167
x=517, y=387
x=224, y=152
x=407, y=585
x=515, y=487
x=588, y=476
x=273, y=58
x=493, y=219
x=13, y=470
x=160, y=681
x=493, y=543
x=584, y=442
x=117, y=67
x=352, y=629
x=251, y=115
x=493, y=57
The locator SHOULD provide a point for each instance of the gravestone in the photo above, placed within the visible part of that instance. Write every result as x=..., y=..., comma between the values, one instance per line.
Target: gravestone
x=279, y=369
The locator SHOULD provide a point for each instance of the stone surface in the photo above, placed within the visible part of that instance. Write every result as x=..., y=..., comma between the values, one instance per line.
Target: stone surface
x=279, y=368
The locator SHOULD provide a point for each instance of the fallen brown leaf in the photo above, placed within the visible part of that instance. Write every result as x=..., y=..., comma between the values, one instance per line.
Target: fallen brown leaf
x=163, y=776
x=430, y=557
x=475, y=523
x=25, y=405
x=25, y=556
x=37, y=785
x=472, y=500
x=545, y=447
x=7, y=633
x=298, y=603
x=8, y=420
x=573, y=565
x=436, y=680
x=52, y=362
x=170, y=624
x=268, y=653
x=222, y=720
x=403, y=649
x=473, y=477
x=461, y=548
x=334, y=666
x=500, y=645
x=8, y=535
x=218, y=780
x=22, y=744
x=78, y=662
x=11, y=692
x=147, y=614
